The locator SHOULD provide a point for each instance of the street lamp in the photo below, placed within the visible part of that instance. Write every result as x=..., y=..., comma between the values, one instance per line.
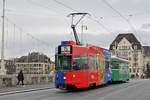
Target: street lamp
x=3, y=70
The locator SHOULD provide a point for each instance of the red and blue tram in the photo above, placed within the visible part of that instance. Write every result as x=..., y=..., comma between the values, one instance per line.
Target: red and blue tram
x=79, y=66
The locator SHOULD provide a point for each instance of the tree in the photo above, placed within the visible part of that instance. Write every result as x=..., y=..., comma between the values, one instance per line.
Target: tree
x=148, y=71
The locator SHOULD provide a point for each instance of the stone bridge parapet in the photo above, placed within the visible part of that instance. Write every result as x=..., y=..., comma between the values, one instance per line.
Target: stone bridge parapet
x=29, y=79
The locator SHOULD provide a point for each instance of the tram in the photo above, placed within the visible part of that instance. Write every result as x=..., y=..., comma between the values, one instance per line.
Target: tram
x=81, y=66
x=120, y=69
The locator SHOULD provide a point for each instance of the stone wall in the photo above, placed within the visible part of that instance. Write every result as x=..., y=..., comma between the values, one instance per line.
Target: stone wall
x=29, y=79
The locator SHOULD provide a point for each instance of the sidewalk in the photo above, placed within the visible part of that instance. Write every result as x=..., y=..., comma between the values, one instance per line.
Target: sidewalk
x=25, y=88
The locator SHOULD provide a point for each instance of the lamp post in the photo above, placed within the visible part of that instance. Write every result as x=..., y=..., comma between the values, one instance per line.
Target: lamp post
x=82, y=28
x=3, y=70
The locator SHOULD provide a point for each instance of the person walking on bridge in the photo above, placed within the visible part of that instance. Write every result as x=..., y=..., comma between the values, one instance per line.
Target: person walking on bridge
x=20, y=77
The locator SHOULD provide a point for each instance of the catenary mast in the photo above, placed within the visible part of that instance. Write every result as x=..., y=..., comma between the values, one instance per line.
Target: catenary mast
x=3, y=70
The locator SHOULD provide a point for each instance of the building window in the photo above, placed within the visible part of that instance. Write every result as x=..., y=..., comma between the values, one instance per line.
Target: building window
x=114, y=47
x=134, y=70
x=119, y=47
x=129, y=47
x=137, y=70
x=129, y=58
x=135, y=47
x=129, y=53
x=130, y=70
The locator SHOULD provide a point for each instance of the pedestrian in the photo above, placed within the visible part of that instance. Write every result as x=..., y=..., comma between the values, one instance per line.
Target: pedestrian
x=142, y=76
x=137, y=75
x=20, y=77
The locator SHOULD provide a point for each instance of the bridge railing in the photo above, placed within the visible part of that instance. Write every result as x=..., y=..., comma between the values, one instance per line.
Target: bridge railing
x=29, y=79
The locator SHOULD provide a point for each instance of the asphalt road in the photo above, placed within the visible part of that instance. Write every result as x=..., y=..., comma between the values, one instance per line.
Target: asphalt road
x=133, y=90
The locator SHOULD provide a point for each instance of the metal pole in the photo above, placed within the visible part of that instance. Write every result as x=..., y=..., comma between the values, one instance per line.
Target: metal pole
x=3, y=70
x=82, y=34
x=82, y=29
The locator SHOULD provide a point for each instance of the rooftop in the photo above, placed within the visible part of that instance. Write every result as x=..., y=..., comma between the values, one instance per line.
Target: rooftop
x=129, y=36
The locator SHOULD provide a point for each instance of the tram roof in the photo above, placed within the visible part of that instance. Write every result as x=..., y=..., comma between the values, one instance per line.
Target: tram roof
x=118, y=58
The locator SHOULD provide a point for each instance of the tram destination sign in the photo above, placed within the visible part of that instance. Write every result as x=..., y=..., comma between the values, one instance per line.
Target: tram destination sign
x=66, y=50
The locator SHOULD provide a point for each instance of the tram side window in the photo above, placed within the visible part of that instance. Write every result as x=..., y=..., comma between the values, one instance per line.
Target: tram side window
x=92, y=62
x=97, y=61
x=126, y=66
x=115, y=65
x=100, y=62
x=122, y=65
x=76, y=62
x=84, y=61
x=106, y=63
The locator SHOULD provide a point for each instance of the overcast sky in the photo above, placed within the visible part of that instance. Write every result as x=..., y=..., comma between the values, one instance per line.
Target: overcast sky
x=47, y=21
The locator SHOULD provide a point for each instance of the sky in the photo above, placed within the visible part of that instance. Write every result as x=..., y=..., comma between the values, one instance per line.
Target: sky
x=40, y=25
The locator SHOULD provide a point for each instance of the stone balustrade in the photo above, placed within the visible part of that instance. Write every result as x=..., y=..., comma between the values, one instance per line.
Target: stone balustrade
x=29, y=79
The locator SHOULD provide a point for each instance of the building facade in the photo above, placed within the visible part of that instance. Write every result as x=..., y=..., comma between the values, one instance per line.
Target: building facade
x=34, y=63
x=128, y=47
x=34, y=67
x=146, y=57
x=9, y=66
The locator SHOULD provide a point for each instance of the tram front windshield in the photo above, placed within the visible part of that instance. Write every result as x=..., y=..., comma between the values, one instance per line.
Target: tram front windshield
x=64, y=63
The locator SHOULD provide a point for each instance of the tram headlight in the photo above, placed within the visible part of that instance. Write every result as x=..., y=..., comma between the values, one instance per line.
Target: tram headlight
x=64, y=78
x=74, y=76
